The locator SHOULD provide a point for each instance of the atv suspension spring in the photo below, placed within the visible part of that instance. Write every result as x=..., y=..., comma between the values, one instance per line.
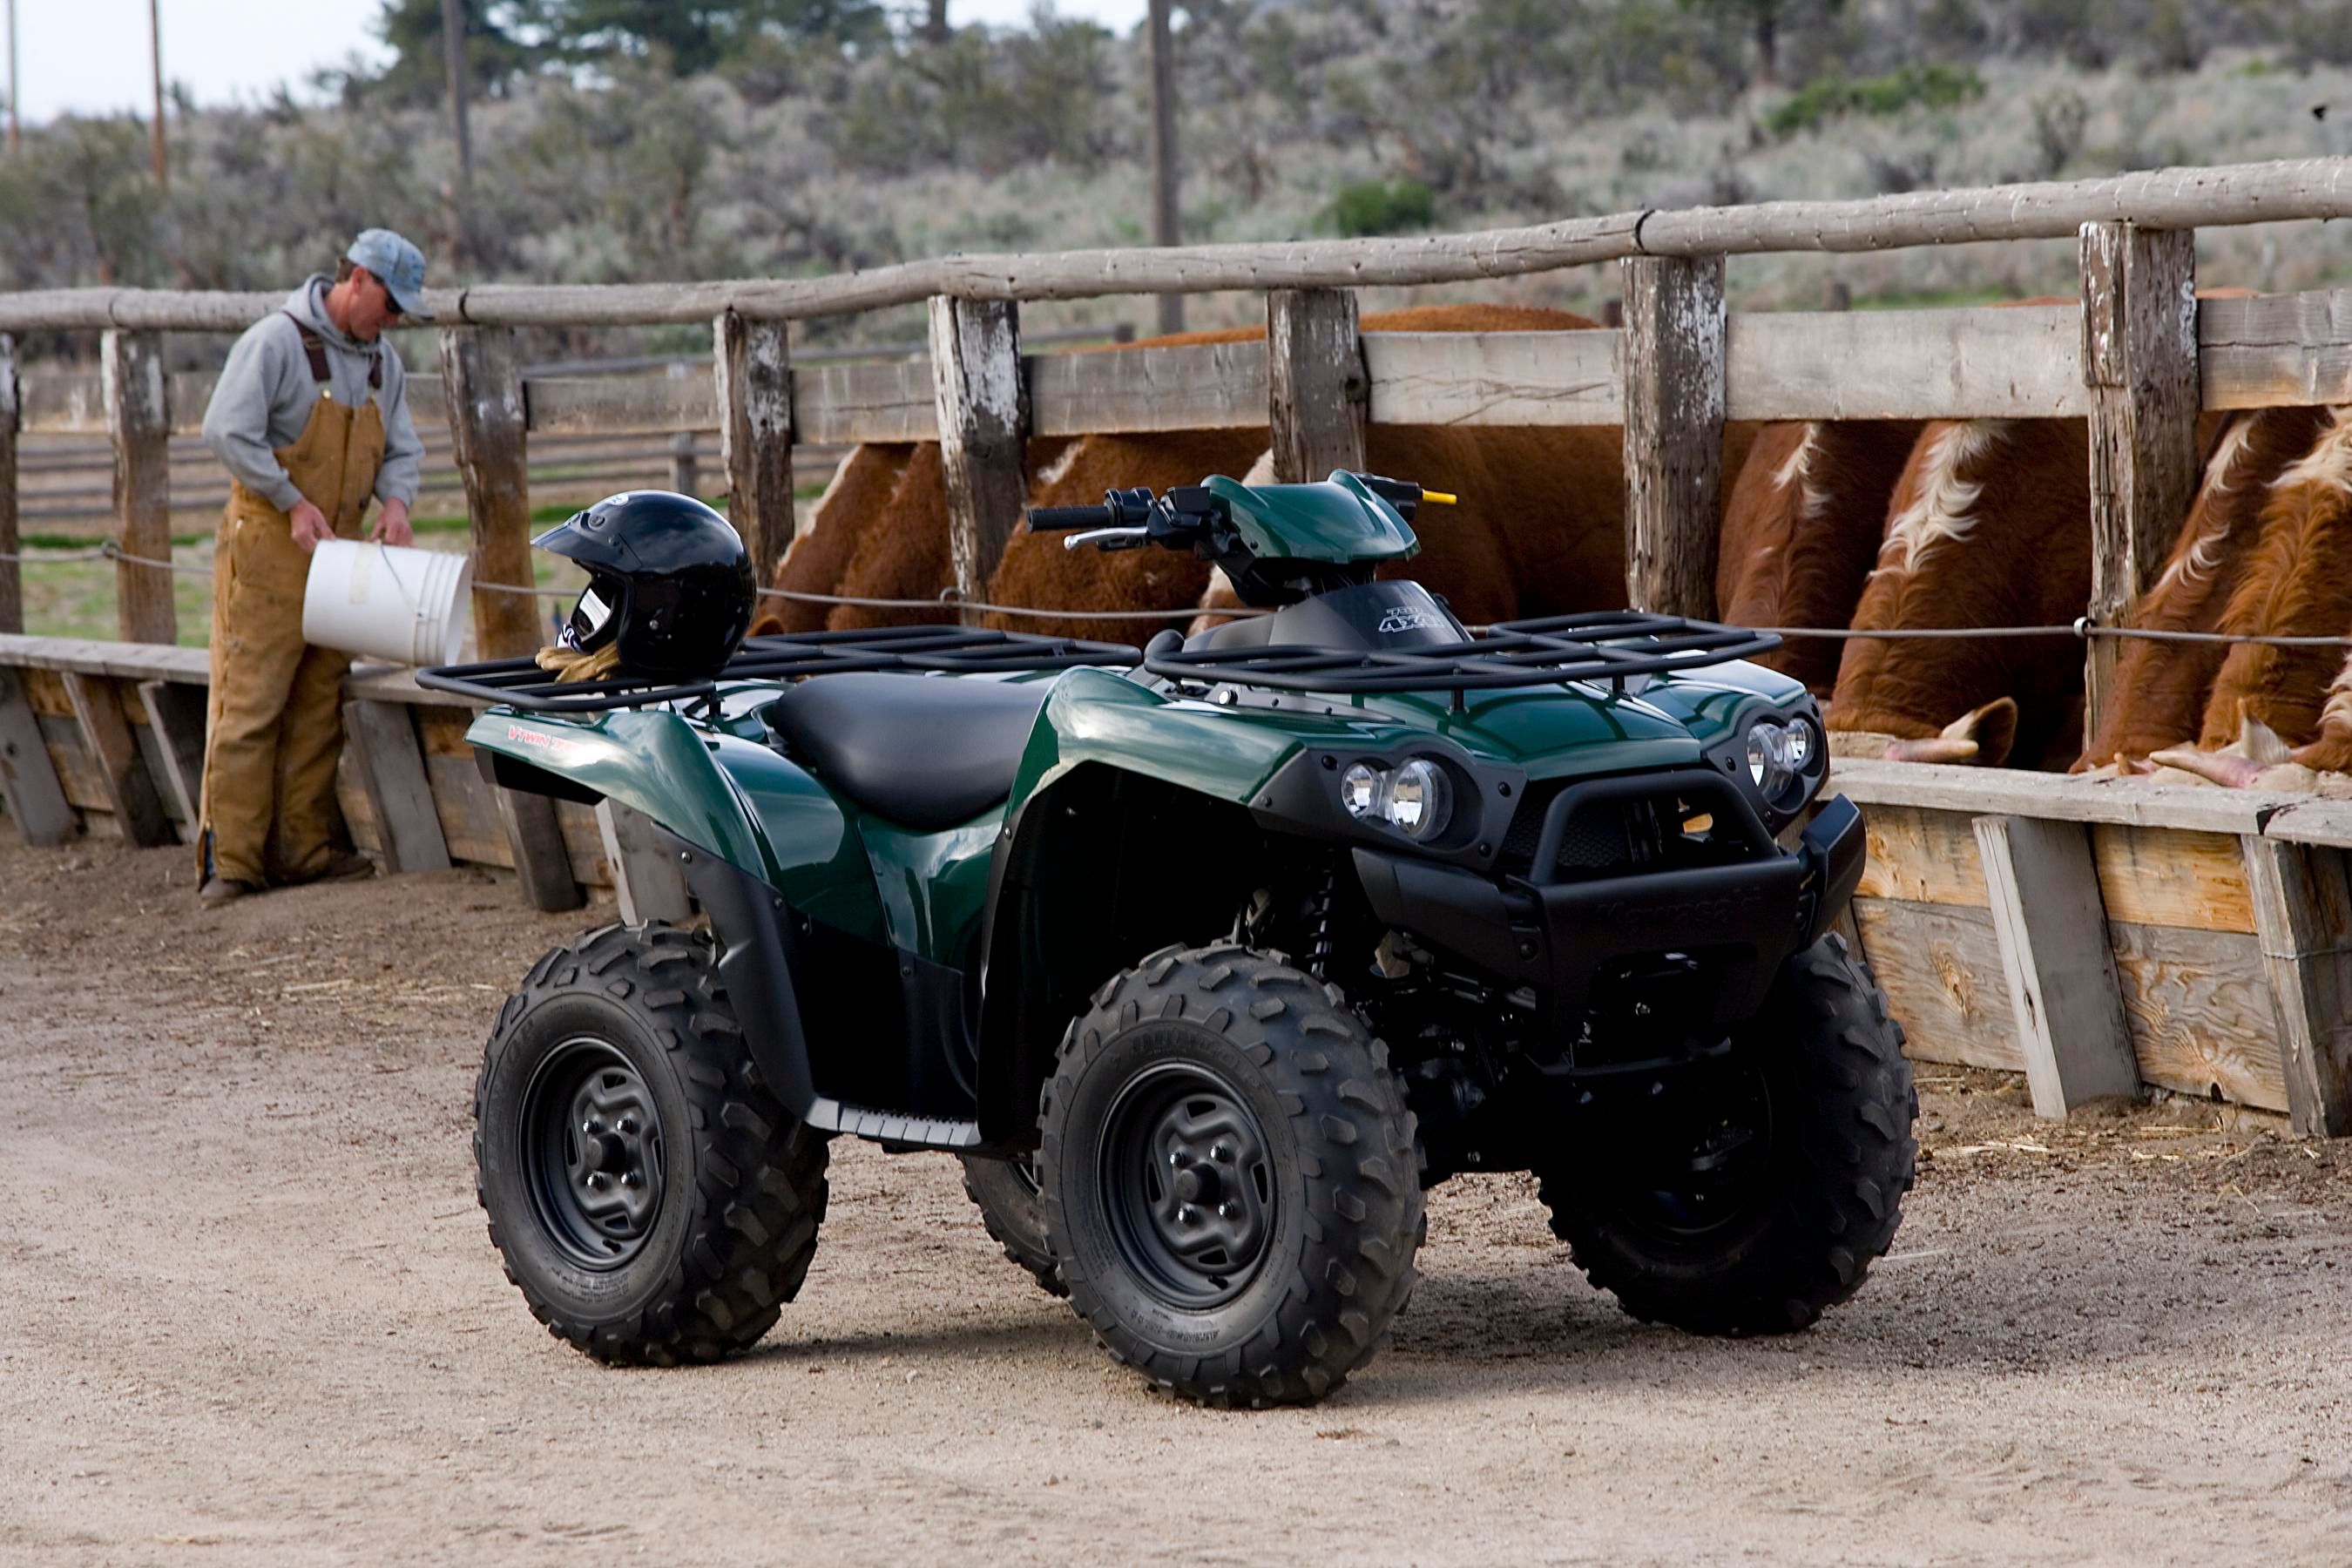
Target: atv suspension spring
x=1319, y=917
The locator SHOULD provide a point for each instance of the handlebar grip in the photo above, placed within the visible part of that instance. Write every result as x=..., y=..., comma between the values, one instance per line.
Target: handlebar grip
x=1042, y=518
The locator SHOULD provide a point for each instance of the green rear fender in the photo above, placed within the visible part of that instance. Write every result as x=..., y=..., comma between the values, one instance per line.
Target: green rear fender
x=733, y=798
x=655, y=763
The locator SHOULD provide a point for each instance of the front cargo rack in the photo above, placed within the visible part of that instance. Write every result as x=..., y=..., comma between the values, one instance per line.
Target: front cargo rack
x=1604, y=644
x=950, y=651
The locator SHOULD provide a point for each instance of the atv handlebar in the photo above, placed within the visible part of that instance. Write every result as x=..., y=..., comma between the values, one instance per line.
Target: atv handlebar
x=1042, y=518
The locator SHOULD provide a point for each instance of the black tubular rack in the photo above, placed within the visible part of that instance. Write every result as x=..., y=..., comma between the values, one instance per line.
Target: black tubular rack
x=951, y=650
x=1604, y=644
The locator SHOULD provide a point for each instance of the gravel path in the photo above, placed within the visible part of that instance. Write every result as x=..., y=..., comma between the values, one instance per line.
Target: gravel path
x=252, y=1317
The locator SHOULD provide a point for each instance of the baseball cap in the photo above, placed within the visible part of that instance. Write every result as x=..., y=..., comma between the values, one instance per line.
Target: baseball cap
x=397, y=265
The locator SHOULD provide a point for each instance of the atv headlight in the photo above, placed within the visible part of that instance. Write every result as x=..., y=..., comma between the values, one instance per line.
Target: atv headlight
x=1417, y=798
x=1769, y=766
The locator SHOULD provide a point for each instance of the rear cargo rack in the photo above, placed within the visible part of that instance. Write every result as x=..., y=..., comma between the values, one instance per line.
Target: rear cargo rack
x=1606, y=645
x=951, y=650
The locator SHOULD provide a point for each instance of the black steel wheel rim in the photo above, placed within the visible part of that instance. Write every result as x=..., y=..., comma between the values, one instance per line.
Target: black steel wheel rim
x=591, y=1153
x=1188, y=1185
x=1715, y=1175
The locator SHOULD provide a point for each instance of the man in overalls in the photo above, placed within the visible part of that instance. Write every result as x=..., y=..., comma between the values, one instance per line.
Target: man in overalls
x=311, y=418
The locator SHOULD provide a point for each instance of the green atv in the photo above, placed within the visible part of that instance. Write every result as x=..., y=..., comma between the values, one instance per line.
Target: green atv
x=1207, y=960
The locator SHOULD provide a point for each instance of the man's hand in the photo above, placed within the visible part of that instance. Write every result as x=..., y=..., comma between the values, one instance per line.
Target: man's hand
x=310, y=526
x=391, y=524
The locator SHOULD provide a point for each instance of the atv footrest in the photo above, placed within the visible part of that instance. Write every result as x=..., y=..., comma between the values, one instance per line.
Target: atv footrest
x=888, y=1129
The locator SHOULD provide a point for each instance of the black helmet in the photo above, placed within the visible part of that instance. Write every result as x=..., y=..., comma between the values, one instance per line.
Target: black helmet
x=668, y=581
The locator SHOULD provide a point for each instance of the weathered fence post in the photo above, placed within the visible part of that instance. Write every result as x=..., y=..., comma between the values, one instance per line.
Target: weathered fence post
x=1318, y=392
x=753, y=361
x=2303, y=913
x=685, y=471
x=982, y=399
x=28, y=775
x=381, y=740
x=482, y=384
x=2139, y=360
x=139, y=423
x=122, y=774
x=12, y=580
x=1672, y=358
x=2047, y=914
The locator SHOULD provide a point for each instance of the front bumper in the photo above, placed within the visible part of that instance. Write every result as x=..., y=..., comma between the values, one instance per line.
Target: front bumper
x=1743, y=919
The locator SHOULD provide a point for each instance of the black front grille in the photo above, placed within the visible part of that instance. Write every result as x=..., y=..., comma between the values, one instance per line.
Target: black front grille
x=1614, y=836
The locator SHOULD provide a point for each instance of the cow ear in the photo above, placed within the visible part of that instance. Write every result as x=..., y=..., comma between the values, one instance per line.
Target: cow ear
x=2214, y=767
x=2258, y=742
x=1935, y=749
x=1992, y=727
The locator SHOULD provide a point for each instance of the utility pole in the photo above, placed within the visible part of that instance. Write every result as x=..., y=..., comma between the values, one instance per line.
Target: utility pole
x=453, y=49
x=16, y=130
x=155, y=130
x=1163, y=153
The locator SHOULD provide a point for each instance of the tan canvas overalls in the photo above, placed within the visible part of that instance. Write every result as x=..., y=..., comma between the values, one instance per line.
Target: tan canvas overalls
x=276, y=724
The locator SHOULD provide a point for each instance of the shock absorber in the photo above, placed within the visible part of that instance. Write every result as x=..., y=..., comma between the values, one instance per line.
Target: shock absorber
x=1319, y=921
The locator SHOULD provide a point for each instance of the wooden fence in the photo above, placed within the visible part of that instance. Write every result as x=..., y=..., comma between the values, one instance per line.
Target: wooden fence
x=2207, y=922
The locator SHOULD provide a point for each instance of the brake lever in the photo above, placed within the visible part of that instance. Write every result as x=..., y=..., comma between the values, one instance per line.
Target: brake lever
x=1109, y=538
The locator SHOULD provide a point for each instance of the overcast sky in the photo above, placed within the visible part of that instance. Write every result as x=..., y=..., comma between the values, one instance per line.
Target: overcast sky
x=89, y=56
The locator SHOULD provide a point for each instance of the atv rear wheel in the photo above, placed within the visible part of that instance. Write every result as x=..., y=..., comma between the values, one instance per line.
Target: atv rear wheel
x=1758, y=1213
x=1229, y=1179
x=652, y=1201
x=1013, y=1210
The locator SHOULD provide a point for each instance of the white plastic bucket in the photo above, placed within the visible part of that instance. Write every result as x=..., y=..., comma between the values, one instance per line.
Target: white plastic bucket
x=387, y=600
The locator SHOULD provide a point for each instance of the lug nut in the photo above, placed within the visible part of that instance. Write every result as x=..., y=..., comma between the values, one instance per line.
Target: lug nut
x=1175, y=1159
x=1187, y=1214
x=1222, y=1153
x=598, y=1180
x=1228, y=1211
x=628, y=1127
x=592, y=1127
x=633, y=1178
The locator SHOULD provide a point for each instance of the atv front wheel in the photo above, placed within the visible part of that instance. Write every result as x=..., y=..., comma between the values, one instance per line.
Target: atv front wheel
x=1013, y=1210
x=1762, y=1203
x=652, y=1201
x=1229, y=1179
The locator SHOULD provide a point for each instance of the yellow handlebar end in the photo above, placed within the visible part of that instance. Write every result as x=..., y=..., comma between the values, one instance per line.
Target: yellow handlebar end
x=1441, y=496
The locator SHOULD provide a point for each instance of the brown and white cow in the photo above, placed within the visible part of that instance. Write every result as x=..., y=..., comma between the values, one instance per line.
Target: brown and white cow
x=1801, y=525
x=2273, y=709
x=2161, y=689
x=1990, y=526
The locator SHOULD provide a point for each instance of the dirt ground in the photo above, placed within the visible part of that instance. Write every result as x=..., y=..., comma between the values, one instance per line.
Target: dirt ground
x=251, y=1317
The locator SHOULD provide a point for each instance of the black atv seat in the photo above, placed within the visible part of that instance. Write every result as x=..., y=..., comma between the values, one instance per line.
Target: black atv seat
x=928, y=751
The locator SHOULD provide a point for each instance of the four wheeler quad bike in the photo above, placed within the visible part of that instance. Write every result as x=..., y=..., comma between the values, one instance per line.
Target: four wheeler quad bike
x=1207, y=961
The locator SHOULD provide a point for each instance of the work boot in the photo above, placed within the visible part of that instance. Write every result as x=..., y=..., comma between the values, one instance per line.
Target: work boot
x=219, y=890
x=348, y=865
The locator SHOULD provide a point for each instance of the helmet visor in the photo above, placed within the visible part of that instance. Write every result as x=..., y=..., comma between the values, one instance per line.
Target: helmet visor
x=592, y=622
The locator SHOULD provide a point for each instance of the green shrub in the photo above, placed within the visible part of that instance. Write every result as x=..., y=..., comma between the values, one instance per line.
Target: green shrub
x=1381, y=206
x=1912, y=86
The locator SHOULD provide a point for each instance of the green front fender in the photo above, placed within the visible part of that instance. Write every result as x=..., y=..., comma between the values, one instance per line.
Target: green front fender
x=653, y=762
x=1092, y=717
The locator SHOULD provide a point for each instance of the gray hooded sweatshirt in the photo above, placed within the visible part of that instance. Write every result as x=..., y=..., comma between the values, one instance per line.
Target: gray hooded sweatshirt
x=264, y=394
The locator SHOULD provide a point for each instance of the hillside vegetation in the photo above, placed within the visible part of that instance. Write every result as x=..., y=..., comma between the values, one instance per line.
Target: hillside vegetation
x=803, y=137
